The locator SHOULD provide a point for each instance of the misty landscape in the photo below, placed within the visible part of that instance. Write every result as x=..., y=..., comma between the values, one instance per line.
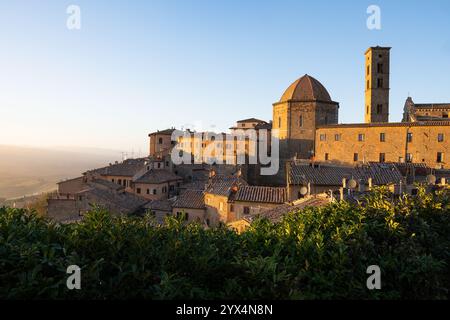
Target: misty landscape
x=26, y=170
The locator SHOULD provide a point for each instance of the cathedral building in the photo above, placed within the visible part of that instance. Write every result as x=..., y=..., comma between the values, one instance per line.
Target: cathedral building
x=307, y=118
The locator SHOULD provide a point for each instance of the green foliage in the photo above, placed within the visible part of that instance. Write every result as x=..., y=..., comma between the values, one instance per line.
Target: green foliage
x=318, y=253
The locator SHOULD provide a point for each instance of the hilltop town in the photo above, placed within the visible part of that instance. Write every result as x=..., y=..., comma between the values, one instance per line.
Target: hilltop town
x=319, y=160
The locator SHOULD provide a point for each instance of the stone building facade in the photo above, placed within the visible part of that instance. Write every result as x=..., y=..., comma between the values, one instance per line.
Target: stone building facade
x=413, y=142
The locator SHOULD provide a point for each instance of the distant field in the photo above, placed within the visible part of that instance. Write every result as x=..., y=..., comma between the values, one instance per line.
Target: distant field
x=26, y=171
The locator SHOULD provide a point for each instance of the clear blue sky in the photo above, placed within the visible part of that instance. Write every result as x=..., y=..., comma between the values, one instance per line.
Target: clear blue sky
x=138, y=66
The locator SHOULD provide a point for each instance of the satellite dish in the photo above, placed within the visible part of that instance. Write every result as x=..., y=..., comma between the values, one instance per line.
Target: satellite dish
x=352, y=184
x=303, y=191
x=431, y=179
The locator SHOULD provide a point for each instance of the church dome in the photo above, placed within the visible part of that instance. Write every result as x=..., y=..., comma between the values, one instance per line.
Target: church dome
x=306, y=89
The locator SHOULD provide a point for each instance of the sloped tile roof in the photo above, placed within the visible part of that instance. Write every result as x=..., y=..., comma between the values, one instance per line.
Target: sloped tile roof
x=127, y=168
x=261, y=194
x=221, y=184
x=162, y=205
x=166, y=132
x=127, y=202
x=381, y=174
x=190, y=199
x=251, y=120
x=323, y=175
x=156, y=176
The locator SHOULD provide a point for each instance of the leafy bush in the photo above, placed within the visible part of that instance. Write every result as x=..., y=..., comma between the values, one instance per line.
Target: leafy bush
x=318, y=253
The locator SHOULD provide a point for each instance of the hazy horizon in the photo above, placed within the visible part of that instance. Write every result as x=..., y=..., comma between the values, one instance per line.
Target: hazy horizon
x=30, y=170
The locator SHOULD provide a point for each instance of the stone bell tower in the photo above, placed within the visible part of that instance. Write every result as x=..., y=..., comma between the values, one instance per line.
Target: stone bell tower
x=377, y=84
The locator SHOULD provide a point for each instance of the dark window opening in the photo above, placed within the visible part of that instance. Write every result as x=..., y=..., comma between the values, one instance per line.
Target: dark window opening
x=379, y=108
x=409, y=137
x=380, y=83
x=380, y=68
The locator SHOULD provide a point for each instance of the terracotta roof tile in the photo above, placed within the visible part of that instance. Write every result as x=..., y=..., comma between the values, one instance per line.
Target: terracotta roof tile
x=261, y=194
x=190, y=199
x=156, y=176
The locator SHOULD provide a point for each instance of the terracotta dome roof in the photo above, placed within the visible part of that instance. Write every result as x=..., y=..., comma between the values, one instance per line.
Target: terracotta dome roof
x=306, y=89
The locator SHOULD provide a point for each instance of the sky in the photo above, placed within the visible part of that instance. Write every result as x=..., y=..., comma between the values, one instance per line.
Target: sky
x=137, y=66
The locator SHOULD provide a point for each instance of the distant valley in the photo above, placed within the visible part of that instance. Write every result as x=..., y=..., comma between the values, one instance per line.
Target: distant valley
x=27, y=170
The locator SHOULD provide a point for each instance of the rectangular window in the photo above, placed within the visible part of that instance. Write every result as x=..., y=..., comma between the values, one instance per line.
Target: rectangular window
x=355, y=157
x=326, y=157
x=440, y=137
x=337, y=137
x=112, y=180
x=368, y=84
x=279, y=122
x=380, y=68
x=138, y=190
x=409, y=137
x=323, y=137
x=409, y=157
x=368, y=70
x=382, y=157
x=379, y=108
x=246, y=210
x=380, y=83
x=148, y=191
x=154, y=191
x=361, y=137
x=440, y=157
x=160, y=140
x=119, y=181
x=382, y=137
x=300, y=121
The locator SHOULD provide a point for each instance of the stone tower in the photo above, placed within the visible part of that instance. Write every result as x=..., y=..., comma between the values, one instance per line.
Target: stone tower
x=377, y=84
x=304, y=105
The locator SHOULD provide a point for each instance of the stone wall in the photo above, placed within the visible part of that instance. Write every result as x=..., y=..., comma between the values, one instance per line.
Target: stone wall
x=423, y=148
x=62, y=209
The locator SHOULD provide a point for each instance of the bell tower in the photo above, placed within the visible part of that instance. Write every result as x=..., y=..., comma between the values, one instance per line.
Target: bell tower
x=377, y=84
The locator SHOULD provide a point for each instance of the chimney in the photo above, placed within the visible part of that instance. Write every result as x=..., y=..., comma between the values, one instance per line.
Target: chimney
x=344, y=183
x=369, y=181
